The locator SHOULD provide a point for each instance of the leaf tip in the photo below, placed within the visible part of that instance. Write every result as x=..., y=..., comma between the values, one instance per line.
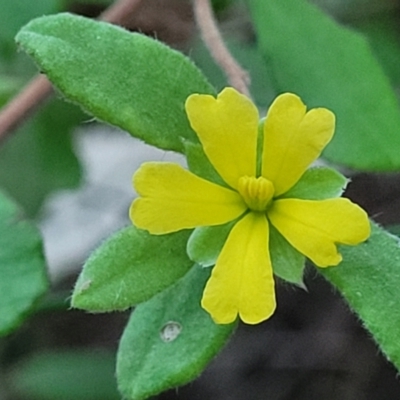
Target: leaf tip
x=80, y=288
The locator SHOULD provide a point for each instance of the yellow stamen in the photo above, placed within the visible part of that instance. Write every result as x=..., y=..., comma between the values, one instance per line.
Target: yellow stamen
x=256, y=192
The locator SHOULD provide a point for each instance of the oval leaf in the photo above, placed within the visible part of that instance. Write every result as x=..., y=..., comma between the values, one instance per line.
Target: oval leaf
x=129, y=268
x=123, y=78
x=169, y=340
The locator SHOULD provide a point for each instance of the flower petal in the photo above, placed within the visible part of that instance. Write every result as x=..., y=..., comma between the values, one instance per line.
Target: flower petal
x=293, y=139
x=314, y=227
x=242, y=281
x=227, y=127
x=174, y=199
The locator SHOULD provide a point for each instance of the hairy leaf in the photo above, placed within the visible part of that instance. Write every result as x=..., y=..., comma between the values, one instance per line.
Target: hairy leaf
x=169, y=340
x=123, y=78
x=129, y=268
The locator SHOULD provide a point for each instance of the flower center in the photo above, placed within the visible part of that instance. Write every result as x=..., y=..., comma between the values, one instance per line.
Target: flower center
x=256, y=192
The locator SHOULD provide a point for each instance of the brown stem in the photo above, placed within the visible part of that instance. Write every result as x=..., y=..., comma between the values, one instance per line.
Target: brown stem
x=39, y=89
x=120, y=12
x=24, y=104
x=236, y=75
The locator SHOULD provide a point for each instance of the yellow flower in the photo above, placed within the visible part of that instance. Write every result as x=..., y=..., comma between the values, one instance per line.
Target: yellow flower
x=173, y=198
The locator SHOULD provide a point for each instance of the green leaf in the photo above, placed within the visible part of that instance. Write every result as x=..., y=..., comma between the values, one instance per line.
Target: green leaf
x=200, y=165
x=66, y=375
x=368, y=278
x=287, y=262
x=126, y=79
x=129, y=268
x=39, y=158
x=206, y=242
x=318, y=183
x=169, y=340
x=22, y=266
x=333, y=67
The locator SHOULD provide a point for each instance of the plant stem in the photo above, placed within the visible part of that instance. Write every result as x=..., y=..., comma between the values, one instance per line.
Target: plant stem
x=236, y=75
x=24, y=104
x=39, y=89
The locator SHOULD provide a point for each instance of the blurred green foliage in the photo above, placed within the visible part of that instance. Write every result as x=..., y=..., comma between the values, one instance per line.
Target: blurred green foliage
x=329, y=65
x=22, y=266
x=66, y=375
x=38, y=158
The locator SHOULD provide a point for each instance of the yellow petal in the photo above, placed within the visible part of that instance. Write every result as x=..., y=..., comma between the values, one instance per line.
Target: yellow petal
x=227, y=127
x=314, y=227
x=173, y=198
x=242, y=281
x=293, y=139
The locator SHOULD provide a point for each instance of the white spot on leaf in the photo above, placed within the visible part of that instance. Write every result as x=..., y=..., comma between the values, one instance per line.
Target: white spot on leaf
x=170, y=331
